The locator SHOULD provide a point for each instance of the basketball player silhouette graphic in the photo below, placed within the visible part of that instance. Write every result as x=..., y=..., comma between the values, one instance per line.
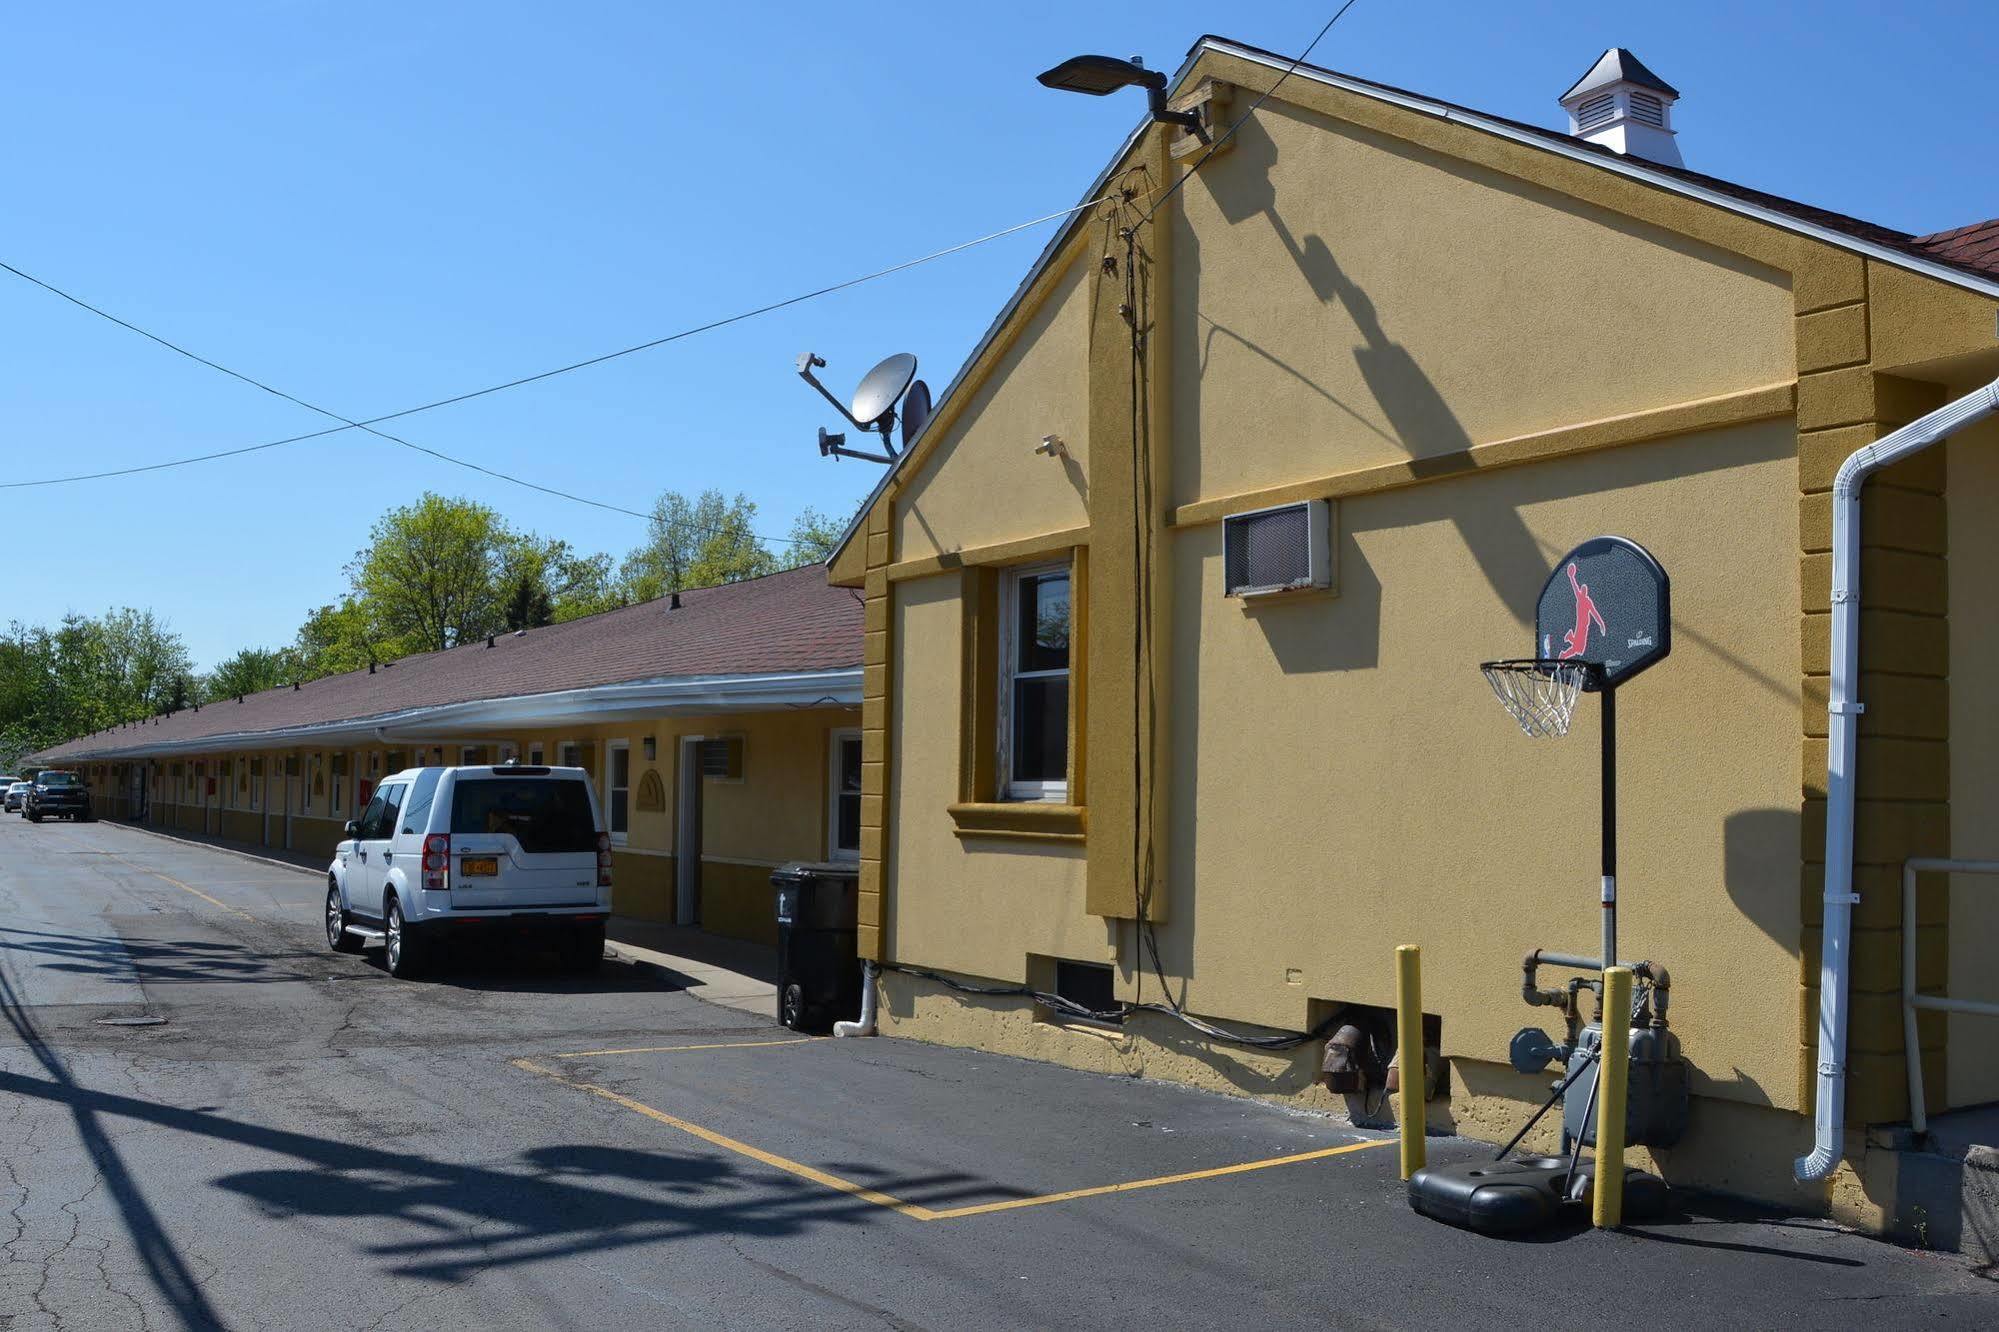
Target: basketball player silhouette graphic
x=1576, y=641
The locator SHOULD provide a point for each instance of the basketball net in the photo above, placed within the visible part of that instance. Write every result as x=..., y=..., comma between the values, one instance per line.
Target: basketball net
x=1540, y=693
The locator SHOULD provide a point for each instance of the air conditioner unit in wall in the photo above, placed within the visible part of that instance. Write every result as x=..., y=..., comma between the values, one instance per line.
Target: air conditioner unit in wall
x=1285, y=548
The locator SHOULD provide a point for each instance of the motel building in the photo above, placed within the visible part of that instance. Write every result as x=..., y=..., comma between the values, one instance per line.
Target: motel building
x=720, y=726
x=1415, y=353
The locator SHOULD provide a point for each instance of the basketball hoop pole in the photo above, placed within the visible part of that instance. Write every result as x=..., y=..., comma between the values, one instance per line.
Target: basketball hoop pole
x=1609, y=783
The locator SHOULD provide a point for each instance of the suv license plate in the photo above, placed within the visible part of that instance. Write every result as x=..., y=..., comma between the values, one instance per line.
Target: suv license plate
x=487, y=865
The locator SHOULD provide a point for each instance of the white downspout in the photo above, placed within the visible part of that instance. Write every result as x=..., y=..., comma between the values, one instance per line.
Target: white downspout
x=866, y=1026
x=1843, y=725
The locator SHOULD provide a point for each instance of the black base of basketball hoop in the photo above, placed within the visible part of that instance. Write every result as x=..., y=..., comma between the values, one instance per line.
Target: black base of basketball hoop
x=1524, y=1195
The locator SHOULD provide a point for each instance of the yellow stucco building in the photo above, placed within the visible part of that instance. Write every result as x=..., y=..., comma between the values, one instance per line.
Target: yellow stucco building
x=1088, y=771
x=721, y=728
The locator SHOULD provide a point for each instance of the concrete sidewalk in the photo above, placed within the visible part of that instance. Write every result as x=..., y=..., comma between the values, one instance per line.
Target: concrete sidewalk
x=732, y=973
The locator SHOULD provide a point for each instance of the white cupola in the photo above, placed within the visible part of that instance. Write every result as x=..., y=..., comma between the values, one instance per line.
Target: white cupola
x=1625, y=107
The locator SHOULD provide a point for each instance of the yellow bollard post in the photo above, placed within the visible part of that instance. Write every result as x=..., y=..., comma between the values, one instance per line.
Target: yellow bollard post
x=1614, y=1071
x=1409, y=1054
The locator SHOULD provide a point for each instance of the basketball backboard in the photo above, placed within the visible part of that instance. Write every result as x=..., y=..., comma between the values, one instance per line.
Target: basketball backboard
x=1607, y=604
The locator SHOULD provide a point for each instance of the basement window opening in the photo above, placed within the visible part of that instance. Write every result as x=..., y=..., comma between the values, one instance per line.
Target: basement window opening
x=1089, y=985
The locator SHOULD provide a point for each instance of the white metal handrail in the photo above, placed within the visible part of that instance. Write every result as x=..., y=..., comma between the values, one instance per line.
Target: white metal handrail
x=1911, y=1000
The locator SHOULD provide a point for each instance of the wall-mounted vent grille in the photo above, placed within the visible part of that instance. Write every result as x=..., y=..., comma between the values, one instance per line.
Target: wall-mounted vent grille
x=1596, y=111
x=1648, y=110
x=722, y=757
x=1278, y=549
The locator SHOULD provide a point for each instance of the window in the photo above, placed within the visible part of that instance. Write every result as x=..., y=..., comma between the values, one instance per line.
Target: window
x=544, y=816
x=392, y=805
x=472, y=756
x=843, y=818
x=568, y=754
x=534, y=755
x=619, y=757
x=1034, y=684
x=371, y=817
x=423, y=793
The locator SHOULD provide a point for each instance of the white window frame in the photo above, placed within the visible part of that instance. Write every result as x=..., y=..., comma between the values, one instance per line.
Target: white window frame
x=611, y=749
x=1031, y=790
x=562, y=757
x=836, y=738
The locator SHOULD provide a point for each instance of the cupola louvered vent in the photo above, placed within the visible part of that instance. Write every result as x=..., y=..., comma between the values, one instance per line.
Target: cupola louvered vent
x=1596, y=111
x=1281, y=549
x=1647, y=110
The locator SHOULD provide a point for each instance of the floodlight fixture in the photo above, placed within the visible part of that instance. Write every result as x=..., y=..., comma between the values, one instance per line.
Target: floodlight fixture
x=1101, y=75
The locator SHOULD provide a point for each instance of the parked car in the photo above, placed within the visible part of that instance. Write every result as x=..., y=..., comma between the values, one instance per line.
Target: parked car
x=17, y=791
x=449, y=853
x=57, y=794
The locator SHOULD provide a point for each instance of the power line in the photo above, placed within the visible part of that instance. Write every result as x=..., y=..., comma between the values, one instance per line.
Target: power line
x=1216, y=146
x=369, y=423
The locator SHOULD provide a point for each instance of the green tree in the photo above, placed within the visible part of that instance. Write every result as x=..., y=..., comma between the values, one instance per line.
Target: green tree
x=695, y=543
x=86, y=674
x=337, y=638
x=814, y=536
x=430, y=576
x=250, y=671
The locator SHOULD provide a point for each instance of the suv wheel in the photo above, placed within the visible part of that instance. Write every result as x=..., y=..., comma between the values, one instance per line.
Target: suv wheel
x=791, y=1006
x=34, y=816
x=404, y=953
x=337, y=937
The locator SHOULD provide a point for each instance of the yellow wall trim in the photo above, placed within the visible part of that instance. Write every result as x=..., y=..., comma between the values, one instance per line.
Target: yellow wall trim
x=1005, y=552
x=1729, y=409
x=1021, y=820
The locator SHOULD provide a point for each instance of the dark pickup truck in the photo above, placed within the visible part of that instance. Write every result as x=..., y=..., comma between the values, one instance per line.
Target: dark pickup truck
x=57, y=794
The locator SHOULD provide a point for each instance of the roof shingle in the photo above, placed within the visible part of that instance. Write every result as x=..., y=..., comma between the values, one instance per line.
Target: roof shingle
x=784, y=623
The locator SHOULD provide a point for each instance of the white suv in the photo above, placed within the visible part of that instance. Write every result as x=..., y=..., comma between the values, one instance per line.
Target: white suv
x=453, y=852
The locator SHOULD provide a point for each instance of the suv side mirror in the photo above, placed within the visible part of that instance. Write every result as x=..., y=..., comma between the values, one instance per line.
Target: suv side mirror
x=353, y=827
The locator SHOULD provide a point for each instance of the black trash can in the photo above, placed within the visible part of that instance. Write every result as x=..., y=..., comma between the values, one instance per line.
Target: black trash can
x=818, y=963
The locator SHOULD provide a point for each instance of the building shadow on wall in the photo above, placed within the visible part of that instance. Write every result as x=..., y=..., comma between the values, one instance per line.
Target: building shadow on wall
x=1419, y=419
x=1760, y=864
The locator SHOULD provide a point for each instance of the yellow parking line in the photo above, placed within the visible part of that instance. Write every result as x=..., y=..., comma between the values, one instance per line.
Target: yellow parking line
x=1011, y=1204
x=674, y=1049
x=178, y=884
x=727, y=1143
x=916, y=1211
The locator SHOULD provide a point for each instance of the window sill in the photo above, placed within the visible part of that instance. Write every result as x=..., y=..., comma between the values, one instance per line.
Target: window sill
x=1020, y=820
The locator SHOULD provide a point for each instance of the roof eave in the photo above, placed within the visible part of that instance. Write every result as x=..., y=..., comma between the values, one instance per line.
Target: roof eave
x=667, y=695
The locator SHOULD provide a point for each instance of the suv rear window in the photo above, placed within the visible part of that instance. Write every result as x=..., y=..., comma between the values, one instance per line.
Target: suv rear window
x=542, y=815
x=58, y=779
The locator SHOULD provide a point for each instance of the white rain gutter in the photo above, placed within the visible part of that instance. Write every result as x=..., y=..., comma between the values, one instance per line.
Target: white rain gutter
x=1843, y=730
x=670, y=695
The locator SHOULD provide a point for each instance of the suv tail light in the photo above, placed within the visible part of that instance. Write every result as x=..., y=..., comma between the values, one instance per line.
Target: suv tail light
x=436, y=855
x=603, y=860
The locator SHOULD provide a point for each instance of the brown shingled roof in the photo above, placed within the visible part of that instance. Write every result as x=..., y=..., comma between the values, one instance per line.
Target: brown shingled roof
x=1975, y=247
x=784, y=623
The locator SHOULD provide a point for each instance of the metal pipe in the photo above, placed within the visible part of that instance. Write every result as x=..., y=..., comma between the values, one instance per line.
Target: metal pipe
x=1409, y=1053
x=1608, y=764
x=1843, y=726
x=1919, y=1122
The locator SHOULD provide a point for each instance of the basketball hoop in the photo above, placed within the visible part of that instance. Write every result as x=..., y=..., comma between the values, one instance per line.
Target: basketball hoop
x=1540, y=692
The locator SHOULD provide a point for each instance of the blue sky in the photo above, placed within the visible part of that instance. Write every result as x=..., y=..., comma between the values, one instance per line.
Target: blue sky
x=374, y=205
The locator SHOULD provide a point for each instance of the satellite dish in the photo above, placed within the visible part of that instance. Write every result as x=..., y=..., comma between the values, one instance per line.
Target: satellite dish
x=882, y=387
x=915, y=411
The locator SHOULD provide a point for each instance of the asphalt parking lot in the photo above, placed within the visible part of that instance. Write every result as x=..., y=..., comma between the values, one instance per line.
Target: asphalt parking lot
x=304, y=1142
